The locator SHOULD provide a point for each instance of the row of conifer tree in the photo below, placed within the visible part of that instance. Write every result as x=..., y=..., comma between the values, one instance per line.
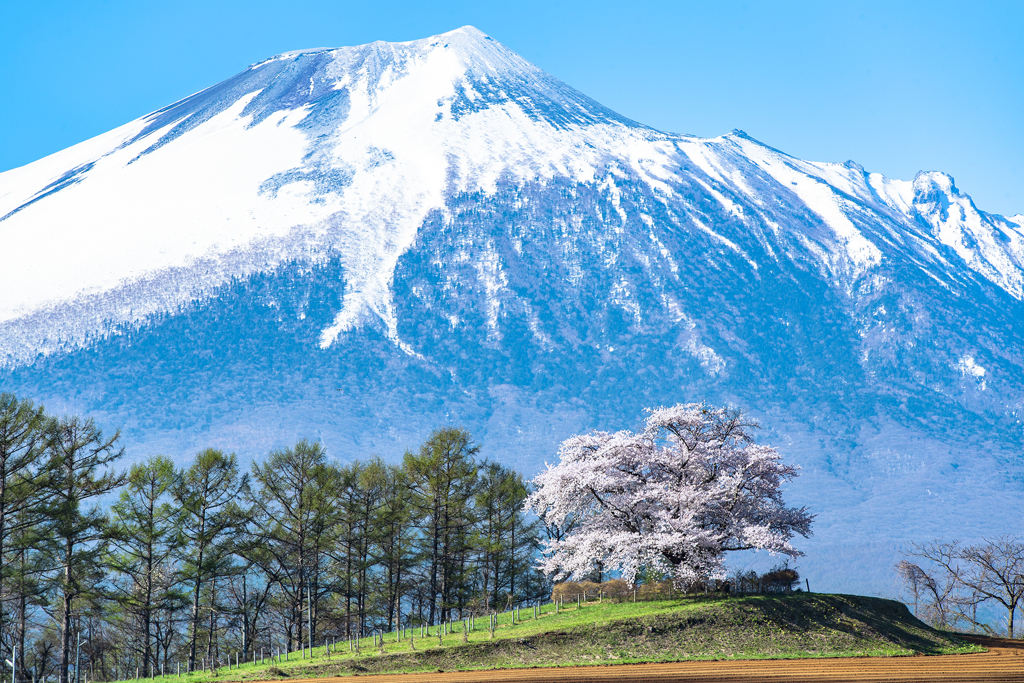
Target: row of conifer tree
x=107, y=571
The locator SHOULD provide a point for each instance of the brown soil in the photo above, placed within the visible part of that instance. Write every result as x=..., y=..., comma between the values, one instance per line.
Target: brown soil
x=1004, y=661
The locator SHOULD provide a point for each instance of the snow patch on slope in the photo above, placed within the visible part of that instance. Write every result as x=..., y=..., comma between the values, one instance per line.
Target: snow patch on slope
x=969, y=368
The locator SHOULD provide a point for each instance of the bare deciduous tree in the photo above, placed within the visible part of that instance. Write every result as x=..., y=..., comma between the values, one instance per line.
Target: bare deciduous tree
x=932, y=597
x=960, y=578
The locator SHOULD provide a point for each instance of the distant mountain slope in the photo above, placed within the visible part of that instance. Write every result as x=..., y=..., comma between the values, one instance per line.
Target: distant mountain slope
x=359, y=244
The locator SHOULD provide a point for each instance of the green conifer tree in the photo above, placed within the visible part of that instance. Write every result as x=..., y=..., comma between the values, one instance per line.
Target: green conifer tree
x=80, y=470
x=442, y=478
x=144, y=537
x=206, y=495
x=294, y=522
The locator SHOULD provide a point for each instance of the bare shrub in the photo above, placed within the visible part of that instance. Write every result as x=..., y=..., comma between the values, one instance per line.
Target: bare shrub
x=589, y=589
x=617, y=590
x=567, y=590
x=656, y=590
x=781, y=579
x=744, y=582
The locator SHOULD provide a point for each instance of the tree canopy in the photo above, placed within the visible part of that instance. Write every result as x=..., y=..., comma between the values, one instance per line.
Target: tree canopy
x=673, y=498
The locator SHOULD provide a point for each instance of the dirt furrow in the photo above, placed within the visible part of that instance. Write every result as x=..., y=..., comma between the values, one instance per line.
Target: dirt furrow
x=1003, y=662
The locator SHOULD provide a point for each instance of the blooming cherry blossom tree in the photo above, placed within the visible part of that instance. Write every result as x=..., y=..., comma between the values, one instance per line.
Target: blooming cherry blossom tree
x=673, y=498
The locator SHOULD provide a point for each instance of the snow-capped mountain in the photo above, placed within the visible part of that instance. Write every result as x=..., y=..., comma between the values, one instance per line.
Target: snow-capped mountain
x=362, y=243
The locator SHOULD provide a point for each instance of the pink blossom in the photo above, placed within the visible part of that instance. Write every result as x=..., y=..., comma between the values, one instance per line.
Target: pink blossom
x=673, y=498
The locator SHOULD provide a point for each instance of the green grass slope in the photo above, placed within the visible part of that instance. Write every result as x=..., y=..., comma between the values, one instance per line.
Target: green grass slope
x=753, y=627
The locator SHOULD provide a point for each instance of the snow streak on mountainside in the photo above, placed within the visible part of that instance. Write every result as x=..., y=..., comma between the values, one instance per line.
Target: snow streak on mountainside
x=359, y=244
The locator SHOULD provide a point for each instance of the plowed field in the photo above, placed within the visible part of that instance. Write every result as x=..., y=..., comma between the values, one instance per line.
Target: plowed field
x=1003, y=662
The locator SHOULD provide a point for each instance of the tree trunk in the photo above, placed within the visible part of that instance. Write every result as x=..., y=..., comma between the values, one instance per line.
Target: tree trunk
x=435, y=540
x=194, y=626
x=22, y=616
x=3, y=532
x=65, y=626
x=209, y=636
x=348, y=590
x=147, y=648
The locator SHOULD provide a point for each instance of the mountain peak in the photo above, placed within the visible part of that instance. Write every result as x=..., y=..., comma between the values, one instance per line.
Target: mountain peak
x=467, y=32
x=346, y=149
x=350, y=149
x=930, y=181
x=468, y=41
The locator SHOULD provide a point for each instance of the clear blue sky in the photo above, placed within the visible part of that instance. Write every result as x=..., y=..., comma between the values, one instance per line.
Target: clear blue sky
x=896, y=86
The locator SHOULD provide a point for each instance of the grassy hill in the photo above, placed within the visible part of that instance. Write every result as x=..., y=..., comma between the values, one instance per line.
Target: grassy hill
x=785, y=626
